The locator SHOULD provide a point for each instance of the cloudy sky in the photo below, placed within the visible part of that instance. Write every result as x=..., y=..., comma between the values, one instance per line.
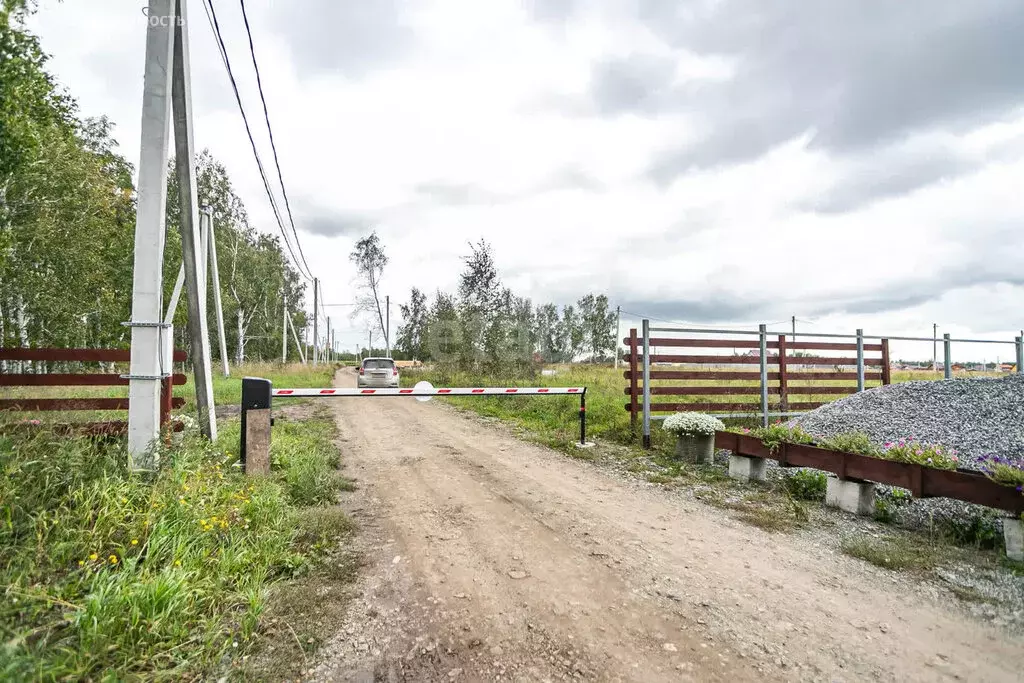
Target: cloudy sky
x=856, y=163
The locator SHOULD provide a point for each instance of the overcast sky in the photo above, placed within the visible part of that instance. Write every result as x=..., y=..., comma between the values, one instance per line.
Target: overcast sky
x=856, y=163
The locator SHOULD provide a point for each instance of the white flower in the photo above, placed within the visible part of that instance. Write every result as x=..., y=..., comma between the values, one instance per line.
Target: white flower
x=692, y=424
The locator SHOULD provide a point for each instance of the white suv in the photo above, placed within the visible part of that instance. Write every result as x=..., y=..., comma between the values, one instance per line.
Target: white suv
x=378, y=372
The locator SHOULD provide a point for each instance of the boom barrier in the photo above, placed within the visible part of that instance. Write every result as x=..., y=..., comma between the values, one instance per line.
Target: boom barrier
x=258, y=394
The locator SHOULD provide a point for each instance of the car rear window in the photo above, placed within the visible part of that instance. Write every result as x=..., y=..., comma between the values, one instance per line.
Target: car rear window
x=378, y=364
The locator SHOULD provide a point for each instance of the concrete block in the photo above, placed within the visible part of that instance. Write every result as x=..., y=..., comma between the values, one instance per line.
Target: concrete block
x=857, y=497
x=1013, y=534
x=748, y=469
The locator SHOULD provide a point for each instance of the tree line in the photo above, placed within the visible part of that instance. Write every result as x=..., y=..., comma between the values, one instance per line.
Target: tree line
x=67, y=224
x=484, y=326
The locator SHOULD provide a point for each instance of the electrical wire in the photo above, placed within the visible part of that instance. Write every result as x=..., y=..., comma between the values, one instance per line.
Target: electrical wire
x=270, y=131
x=211, y=14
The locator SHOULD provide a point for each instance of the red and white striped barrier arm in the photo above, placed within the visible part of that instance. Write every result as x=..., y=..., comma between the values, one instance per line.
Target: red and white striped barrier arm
x=439, y=391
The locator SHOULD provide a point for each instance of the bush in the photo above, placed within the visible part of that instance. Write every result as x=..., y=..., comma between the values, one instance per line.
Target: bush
x=807, y=484
x=692, y=424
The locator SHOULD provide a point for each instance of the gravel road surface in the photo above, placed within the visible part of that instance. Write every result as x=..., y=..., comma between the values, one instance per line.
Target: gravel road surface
x=492, y=559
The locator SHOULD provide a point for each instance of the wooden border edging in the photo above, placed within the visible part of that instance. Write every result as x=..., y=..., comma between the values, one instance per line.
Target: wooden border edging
x=923, y=482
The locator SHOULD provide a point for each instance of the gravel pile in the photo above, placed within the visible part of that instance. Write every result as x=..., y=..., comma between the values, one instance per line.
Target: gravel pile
x=977, y=417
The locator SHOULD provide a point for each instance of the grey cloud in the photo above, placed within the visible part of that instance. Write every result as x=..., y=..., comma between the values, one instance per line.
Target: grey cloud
x=872, y=178
x=464, y=194
x=459, y=194
x=320, y=220
x=855, y=74
x=348, y=36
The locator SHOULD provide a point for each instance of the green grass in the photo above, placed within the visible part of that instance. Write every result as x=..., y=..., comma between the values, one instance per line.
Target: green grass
x=113, y=575
x=897, y=553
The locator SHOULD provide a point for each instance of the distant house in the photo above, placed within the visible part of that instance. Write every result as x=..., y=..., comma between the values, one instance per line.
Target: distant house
x=1008, y=367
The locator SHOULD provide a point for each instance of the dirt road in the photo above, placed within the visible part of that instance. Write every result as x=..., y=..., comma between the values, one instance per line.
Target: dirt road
x=492, y=559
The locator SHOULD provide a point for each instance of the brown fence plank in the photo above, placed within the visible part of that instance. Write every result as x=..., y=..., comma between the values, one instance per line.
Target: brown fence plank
x=710, y=343
x=708, y=391
x=797, y=375
x=755, y=360
x=73, y=380
x=821, y=391
x=710, y=374
x=829, y=346
x=34, y=404
x=804, y=406
x=83, y=355
x=703, y=407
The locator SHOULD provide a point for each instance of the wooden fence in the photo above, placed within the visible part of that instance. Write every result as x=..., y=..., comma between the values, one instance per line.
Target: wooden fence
x=791, y=378
x=65, y=358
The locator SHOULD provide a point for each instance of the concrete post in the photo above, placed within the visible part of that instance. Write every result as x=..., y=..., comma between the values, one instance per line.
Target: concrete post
x=747, y=469
x=191, y=244
x=148, y=332
x=856, y=497
x=1019, y=343
x=219, y=310
x=316, y=321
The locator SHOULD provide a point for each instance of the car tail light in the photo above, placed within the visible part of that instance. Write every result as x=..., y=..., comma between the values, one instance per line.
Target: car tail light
x=394, y=372
x=362, y=371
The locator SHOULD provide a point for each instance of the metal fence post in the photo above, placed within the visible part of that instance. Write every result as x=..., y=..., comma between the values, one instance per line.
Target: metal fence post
x=1019, y=342
x=647, y=383
x=948, y=362
x=860, y=360
x=763, y=336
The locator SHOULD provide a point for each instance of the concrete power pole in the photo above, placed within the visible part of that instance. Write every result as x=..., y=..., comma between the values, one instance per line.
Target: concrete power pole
x=316, y=319
x=794, y=328
x=387, y=329
x=222, y=335
x=151, y=338
x=935, y=347
x=328, y=349
x=191, y=246
x=284, y=329
x=618, y=334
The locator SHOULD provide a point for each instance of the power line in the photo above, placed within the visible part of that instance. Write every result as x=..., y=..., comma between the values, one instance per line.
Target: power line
x=211, y=14
x=270, y=131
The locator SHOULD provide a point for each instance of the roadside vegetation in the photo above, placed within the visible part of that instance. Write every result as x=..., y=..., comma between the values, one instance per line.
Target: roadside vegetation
x=109, y=574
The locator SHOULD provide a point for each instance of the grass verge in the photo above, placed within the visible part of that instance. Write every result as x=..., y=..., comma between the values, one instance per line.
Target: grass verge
x=109, y=574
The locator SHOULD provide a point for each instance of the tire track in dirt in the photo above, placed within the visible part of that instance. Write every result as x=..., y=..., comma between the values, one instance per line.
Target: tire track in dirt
x=491, y=558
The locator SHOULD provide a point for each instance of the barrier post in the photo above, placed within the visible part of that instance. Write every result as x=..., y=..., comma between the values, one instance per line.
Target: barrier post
x=583, y=418
x=254, y=450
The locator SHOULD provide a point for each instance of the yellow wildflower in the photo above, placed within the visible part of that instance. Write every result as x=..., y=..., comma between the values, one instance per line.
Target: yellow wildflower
x=113, y=559
x=81, y=563
x=94, y=557
x=135, y=541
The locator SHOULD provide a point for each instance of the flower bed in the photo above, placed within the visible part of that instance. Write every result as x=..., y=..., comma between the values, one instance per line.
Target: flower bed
x=922, y=479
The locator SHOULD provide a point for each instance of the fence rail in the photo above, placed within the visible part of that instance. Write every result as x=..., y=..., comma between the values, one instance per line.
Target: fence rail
x=68, y=379
x=781, y=373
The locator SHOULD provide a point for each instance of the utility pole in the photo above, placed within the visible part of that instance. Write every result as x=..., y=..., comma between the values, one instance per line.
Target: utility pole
x=935, y=347
x=369, y=343
x=150, y=338
x=284, y=329
x=794, y=328
x=327, y=354
x=191, y=246
x=618, y=333
x=208, y=212
x=387, y=329
x=316, y=319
